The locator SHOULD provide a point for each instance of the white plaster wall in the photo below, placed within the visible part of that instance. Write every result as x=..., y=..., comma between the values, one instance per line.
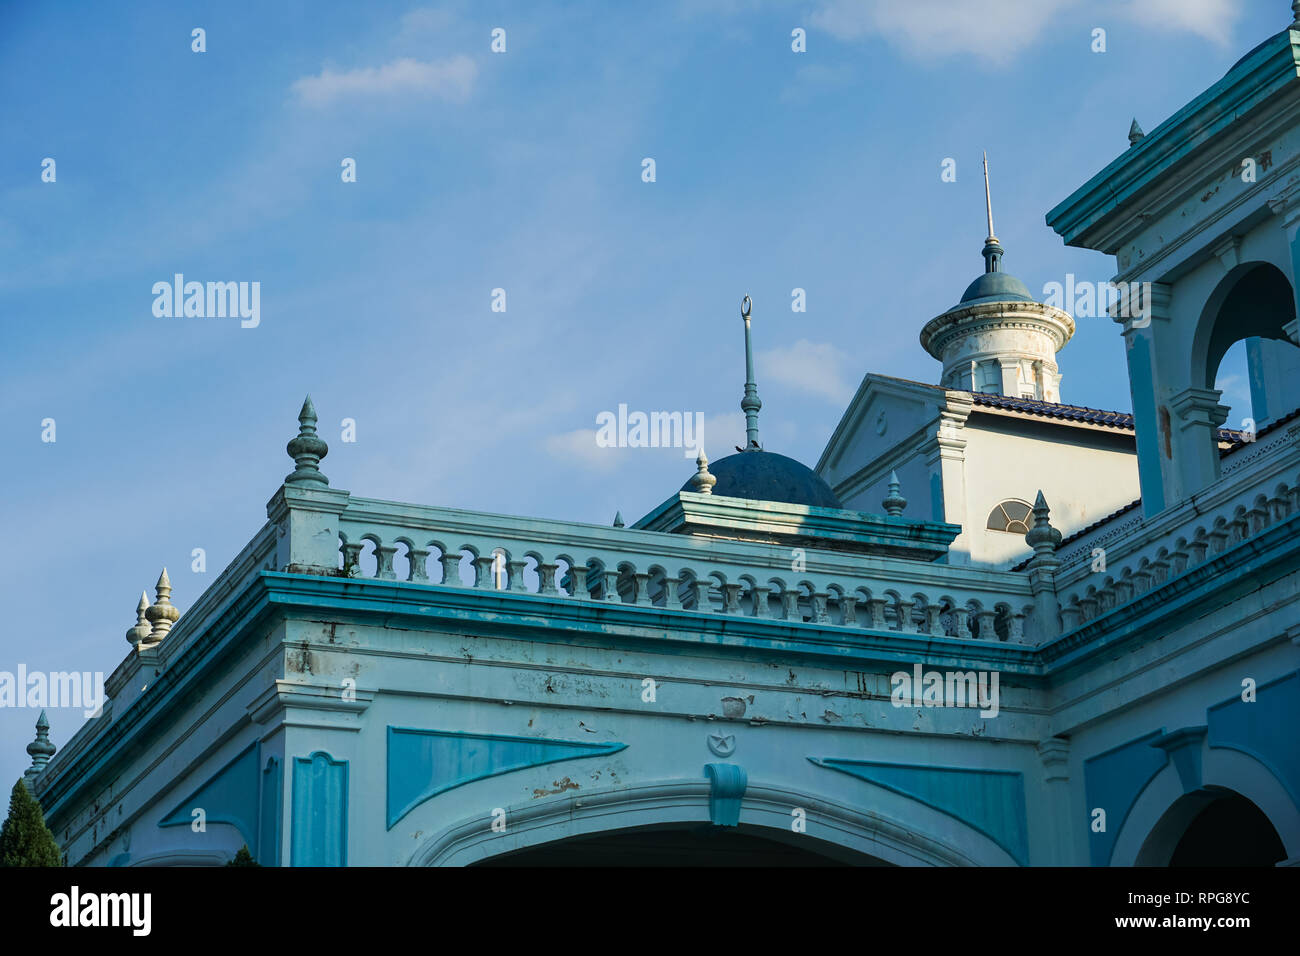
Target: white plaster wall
x=1083, y=478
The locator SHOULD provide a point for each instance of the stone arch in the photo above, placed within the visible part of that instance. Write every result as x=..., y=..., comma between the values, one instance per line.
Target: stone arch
x=1253, y=300
x=854, y=832
x=1162, y=813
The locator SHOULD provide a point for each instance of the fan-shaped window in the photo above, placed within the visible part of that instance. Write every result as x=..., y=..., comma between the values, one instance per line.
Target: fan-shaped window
x=1013, y=516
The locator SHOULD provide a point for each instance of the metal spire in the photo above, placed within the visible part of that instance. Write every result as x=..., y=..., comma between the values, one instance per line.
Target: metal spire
x=988, y=199
x=992, y=248
x=750, y=404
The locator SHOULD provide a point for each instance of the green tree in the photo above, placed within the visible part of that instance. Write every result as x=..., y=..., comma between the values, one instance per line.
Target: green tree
x=25, y=840
x=243, y=858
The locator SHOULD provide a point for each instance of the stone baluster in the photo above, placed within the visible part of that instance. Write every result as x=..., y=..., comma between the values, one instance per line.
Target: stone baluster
x=642, y=580
x=672, y=599
x=546, y=579
x=702, y=602
x=731, y=598
x=1239, y=527
x=790, y=605
x=483, y=571
x=384, y=562
x=450, y=561
x=1259, y=517
x=987, y=630
x=352, y=556
x=1219, y=538
x=963, y=622
x=578, y=582
x=609, y=593
x=849, y=608
x=1159, y=571
x=760, y=600
x=819, y=602
x=917, y=615
x=419, y=558
x=876, y=610
x=515, y=575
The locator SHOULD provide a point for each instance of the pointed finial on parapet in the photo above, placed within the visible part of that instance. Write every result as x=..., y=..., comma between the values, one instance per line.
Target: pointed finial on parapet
x=751, y=403
x=40, y=750
x=702, y=482
x=618, y=519
x=140, y=633
x=307, y=449
x=894, y=501
x=1295, y=14
x=162, y=614
x=1135, y=133
x=1042, y=537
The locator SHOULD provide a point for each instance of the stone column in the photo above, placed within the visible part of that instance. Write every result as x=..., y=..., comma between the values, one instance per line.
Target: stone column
x=1140, y=334
x=1058, y=808
x=1194, y=438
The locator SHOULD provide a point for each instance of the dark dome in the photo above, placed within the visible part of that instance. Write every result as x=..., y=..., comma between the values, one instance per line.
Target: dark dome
x=767, y=476
x=996, y=287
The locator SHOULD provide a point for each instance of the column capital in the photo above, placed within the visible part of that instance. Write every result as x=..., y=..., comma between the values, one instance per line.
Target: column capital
x=1054, y=752
x=1199, y=407
x=1139, y=303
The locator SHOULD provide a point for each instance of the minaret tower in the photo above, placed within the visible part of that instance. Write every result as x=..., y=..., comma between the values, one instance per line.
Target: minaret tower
x=998, y=338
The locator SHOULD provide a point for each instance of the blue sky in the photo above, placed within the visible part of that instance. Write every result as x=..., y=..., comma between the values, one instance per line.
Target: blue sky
x=522, y=171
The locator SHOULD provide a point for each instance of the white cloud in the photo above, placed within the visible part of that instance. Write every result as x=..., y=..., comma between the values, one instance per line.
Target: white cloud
x=451, y=79
x=998, y=30
x=814, y=367
x=579, y=447
x=1211, y=19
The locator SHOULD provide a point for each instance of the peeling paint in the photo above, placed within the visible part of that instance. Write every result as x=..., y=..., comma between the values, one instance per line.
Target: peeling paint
x=560, y=785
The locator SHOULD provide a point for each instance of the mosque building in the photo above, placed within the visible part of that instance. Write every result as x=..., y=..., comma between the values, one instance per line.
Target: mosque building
x=988, y=627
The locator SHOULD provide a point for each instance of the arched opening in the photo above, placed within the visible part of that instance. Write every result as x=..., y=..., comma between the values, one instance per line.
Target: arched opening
x=1258, y=378
x=693, y=845
x=1213, y=827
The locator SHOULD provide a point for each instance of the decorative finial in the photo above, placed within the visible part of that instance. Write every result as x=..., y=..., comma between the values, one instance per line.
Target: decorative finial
x=162, y=614
x=894, y=502
x=618, y=519
x=40, y=750
x=992, y=248
x=1135, y=133
x=140, y=633
x=307, y=449
x=1042, y=537
x=1295, y=14
x=702, y=482
x=750, y=404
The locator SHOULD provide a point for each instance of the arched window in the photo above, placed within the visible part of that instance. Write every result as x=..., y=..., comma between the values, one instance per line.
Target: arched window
x=1013, y=516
